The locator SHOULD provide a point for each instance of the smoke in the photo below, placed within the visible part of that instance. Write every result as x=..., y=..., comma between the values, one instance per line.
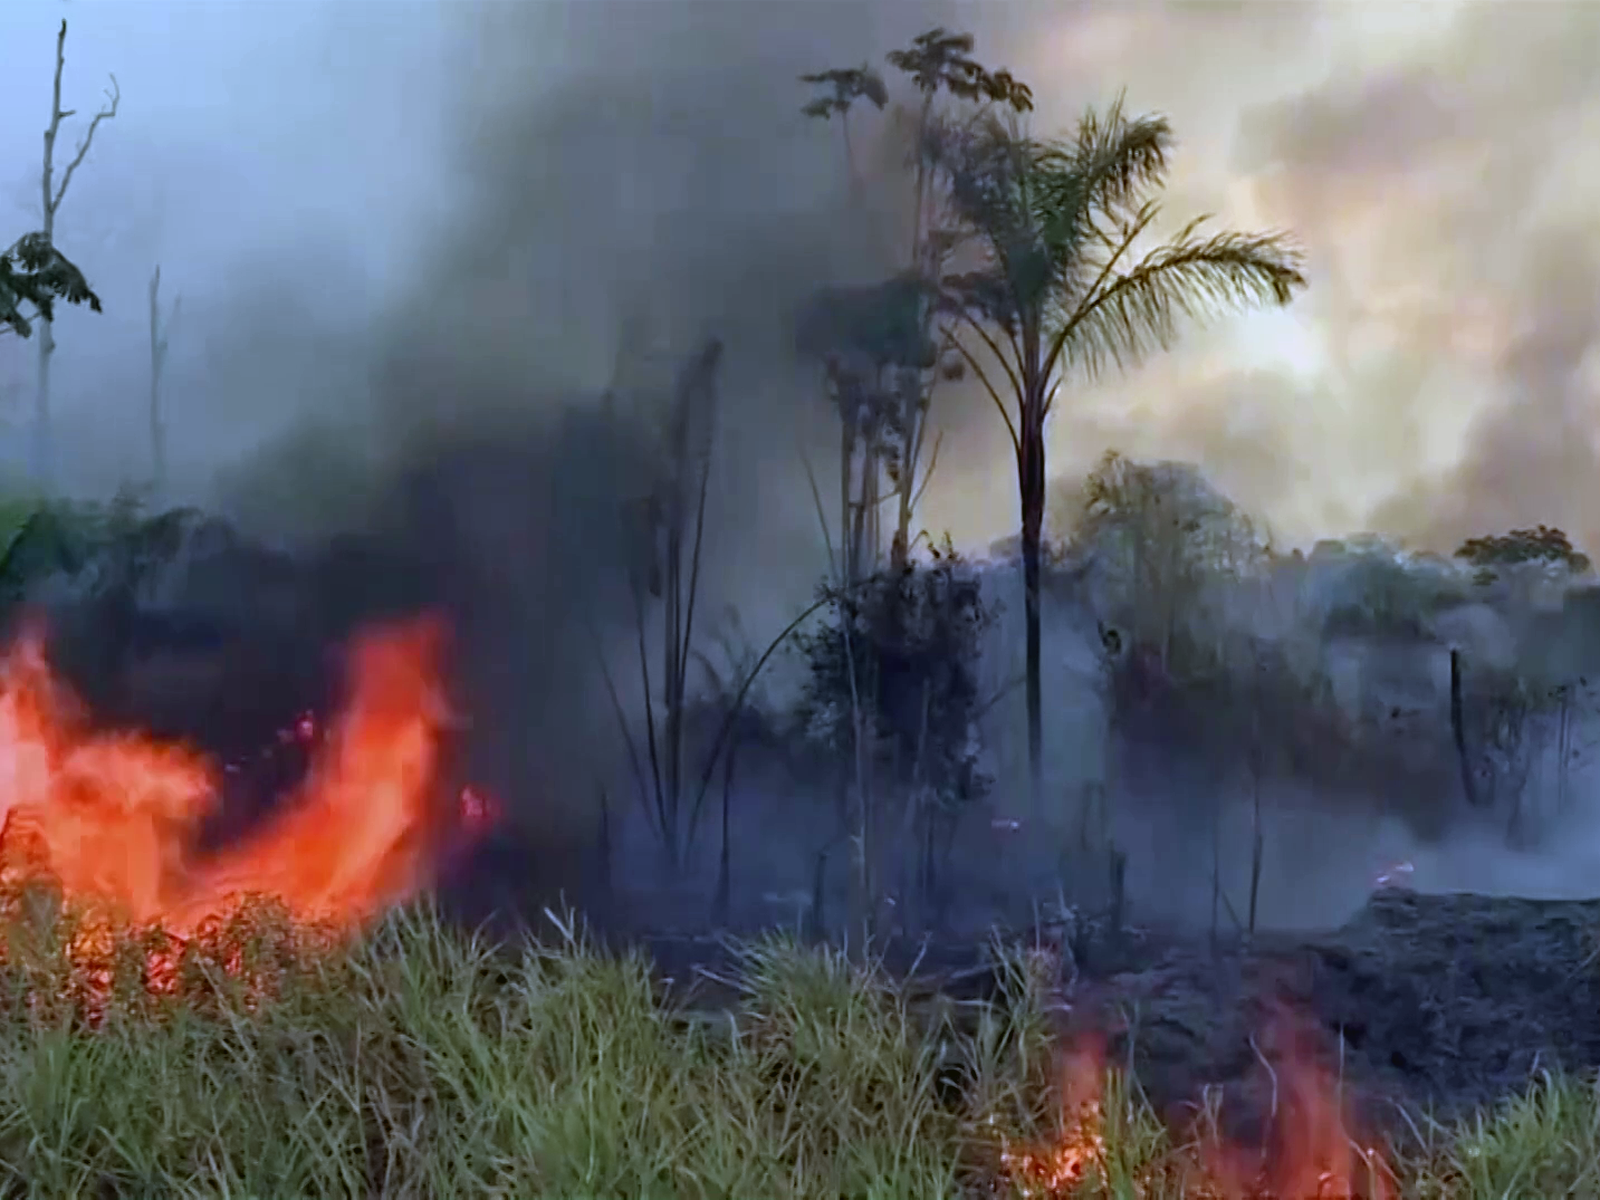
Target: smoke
x=627, y=179
x=1432, y=160
x=1464, y=285
x=623, y=190
x=1423, y=155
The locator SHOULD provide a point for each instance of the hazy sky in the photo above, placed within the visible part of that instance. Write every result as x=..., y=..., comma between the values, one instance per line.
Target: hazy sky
x=255, y=142
x=295, y=164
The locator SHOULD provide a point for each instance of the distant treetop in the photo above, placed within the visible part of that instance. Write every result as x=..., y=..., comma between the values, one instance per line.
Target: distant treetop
x=1541, y=544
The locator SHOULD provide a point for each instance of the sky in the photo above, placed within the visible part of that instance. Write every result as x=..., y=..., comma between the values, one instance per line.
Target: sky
x=327, y=183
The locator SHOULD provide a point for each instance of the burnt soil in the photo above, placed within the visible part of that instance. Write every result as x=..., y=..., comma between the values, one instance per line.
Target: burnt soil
x=1422, y=1005
x=1438, y=1005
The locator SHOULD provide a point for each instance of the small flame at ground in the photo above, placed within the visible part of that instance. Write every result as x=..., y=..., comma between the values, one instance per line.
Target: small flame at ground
x=114, y=818
x=1042, y=1173
x=1310, y=1153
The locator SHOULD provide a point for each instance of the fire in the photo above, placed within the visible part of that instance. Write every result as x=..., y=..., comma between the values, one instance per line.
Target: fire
x=1310, y=1150
x=114, y=818
x=1062, y=1167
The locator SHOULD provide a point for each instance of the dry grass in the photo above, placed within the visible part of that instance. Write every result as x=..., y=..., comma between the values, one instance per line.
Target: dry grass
x=422, y=1063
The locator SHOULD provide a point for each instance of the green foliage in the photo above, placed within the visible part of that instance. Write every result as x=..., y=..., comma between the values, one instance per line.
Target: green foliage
x=1545, y=1142
x=34, y=274
x=936, y=61
x=1541, y=544
x=1056, y=221
x=1053, y=225
x=883, y=324
x=39, y=539
x=913, y=646
x=939, y=60
x=1382, y=596
x=1129, y=503
x=424, y=1063
x=889, y=323
x=1162, y=541
x=842, y=87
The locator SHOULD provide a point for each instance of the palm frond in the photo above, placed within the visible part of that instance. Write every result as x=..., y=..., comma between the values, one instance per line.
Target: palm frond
x=1095, y=195
x=1192, y=277
x=1113, y=163
x=1057, y=224
x=997, y=194
x=1039, y=208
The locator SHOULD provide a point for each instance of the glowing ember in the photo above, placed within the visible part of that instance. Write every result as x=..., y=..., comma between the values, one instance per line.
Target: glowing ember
x=114, y=818
x=477, y=809
x=1041, y=1173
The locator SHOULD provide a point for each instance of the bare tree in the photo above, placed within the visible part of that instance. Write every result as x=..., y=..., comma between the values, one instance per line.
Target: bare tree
x=159, y=332
x=883, y=360
x=666, y=521
x=52, y=195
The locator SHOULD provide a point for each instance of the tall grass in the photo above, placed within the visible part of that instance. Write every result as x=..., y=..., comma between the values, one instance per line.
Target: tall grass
x=421, y=1062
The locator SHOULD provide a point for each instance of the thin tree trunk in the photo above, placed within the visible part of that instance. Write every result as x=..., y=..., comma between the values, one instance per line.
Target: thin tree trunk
x=1458, y=730
x=847, y=458
x=871, y=513
x=607, y=891
x=914, y=424
x=1030, y=474
x=672, y=634
x=43, y=457
x=1563, y=744
x=1257, y=768
x=43, y=449
x=51, y=197
x=158, y=431
x=723, y=902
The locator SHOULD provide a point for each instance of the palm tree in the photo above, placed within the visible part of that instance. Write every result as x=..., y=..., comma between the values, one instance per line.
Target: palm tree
x=1057, y=287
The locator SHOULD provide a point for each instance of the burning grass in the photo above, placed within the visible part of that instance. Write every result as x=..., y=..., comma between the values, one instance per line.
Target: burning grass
x=417, y=1061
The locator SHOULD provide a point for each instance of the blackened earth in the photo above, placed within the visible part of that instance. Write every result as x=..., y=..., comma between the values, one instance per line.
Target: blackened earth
x=1422, y=1006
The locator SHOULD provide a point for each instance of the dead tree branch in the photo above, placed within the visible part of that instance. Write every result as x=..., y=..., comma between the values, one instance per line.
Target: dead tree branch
x=51, y=196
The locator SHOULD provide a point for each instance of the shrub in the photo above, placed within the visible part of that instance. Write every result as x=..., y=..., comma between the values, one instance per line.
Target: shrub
x=902, y=653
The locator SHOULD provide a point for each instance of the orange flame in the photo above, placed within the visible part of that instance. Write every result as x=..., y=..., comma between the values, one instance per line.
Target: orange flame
x=1060, y=1168
x=1310, y=1153
x=114, y=818
x=1312, y=1150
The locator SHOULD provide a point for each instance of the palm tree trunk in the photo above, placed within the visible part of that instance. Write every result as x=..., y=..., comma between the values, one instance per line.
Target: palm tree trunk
x=1030, y=476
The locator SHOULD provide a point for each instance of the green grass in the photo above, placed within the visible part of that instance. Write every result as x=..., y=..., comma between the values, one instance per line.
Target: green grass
x=422, y=1063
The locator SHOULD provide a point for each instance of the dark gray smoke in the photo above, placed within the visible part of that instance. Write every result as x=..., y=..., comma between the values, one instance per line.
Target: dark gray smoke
x=648, y=186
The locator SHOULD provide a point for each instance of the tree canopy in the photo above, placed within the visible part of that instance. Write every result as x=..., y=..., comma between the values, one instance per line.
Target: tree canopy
x=1541, y=544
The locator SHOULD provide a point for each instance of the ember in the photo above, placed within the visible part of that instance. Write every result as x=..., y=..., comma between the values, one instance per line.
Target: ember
x=1059, y=1169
